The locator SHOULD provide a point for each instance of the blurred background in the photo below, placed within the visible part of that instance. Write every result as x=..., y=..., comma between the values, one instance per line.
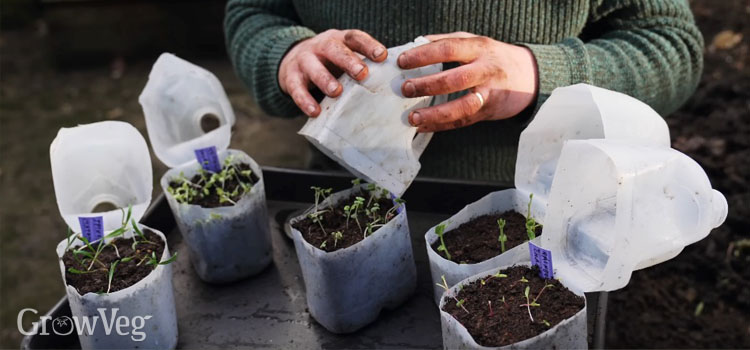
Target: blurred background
x=69, y=62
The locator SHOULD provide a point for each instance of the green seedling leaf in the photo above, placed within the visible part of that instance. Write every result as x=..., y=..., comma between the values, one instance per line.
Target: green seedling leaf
x=170, y=260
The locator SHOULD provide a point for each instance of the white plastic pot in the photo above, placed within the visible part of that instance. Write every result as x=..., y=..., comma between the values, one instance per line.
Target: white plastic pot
x=615, y=205
x=347, y=288
x=226, y=243
x=568, y=334
x=574, y=112
x=109, y=162
x=176, y=98
x=495, y=202
x=367, y=129
x=149, y=304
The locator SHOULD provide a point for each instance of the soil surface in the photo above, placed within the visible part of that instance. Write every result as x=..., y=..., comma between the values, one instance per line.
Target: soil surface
x=211, y=200
x=334, y=220
x=492, y=312
x=477, y=240
x=126, y=273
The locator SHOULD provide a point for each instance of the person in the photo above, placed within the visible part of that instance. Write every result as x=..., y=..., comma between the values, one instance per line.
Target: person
x=509, y=54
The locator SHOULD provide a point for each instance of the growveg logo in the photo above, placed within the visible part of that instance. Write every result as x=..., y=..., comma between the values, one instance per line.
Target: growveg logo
x=107, y=319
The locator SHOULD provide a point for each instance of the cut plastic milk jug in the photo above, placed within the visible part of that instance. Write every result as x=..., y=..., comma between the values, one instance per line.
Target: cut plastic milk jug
x=108, y=162
x=575, y=112
x=104, y=162
x=614, y=206
x=226, y=243
x=367, y=129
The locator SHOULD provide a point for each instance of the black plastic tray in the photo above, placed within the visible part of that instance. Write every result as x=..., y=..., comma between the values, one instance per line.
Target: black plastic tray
x=269, y=310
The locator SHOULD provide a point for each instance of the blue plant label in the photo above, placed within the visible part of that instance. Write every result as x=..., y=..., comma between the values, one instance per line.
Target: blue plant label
x=398, y=205
x=208, y=158
x=543, y=258
x=92, y=228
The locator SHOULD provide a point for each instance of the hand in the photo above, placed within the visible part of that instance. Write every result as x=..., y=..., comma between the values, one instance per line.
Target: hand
x=504, y=75
x=316, y=60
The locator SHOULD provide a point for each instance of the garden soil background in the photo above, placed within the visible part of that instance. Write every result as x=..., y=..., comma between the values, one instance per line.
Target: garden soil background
x=656, y=310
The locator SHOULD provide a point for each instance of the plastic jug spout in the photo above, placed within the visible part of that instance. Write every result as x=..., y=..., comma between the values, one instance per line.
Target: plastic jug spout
x=720, y=208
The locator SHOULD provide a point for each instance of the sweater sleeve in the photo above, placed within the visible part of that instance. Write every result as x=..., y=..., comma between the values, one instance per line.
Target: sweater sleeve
x=649, y=49
x=258, y=34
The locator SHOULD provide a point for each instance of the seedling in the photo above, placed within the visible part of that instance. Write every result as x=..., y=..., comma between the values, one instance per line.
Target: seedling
x=502, y=238
x=497, y=275
x=336, y=237
x=365, y=211
x=188, y=192
x=459, y=303
x=87, y=255
x=534, y=303
x=531, y=224
x=546, y=323
x=439, y=230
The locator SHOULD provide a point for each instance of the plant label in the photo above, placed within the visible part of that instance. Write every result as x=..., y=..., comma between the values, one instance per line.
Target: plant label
x=92, y=228
x=208, y=158
x=543, y=258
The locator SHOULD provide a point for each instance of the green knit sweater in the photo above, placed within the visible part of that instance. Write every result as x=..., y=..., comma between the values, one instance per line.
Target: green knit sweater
x=649, y=49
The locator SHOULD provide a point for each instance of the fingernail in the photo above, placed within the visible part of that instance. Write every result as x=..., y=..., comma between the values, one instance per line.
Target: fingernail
x=332, y=87
x=378, y=52
x=310, y=109
x=416, y=118
x=402, y=60
x=409, y=89
x=357, y=69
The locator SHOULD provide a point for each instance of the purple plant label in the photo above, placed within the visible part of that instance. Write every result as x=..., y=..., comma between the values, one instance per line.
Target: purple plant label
x=208, y=158
x=399, y=207
x=543, y=258
x=92, y=228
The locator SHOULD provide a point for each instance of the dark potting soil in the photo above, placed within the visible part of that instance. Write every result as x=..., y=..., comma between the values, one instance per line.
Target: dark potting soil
x=494, y=317
x=126, y=273
x=336, y=221
x=477, y=240
x=212, y=199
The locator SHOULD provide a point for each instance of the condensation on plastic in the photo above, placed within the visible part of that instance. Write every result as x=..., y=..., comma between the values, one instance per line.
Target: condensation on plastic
x=151, y=296
x=367, y=129
x=230, y=247
x=575, y=112
x=495, y=202
x=346, y=289
x=631, y=206
x=568, y=334
x=103, y=162
x=177, y=96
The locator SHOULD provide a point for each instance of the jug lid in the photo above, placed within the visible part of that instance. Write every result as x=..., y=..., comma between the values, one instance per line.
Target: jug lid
x=186, y=109
x=101, y=163
x=634, y=204
x=580, y=111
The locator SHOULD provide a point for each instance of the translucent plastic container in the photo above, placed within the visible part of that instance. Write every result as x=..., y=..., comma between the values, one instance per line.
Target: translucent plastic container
x=346, y=289
x=226, y=243
x=367, y=129
x=179, y=101
x=614, y=205
x=631, y=206
x=570, y=113
x=568, y=334
x=108, y=162
x=100, y=163
x=151, y=299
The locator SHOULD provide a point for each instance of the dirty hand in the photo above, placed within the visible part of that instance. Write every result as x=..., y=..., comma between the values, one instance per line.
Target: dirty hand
x=504, y=75
x=317, y=60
